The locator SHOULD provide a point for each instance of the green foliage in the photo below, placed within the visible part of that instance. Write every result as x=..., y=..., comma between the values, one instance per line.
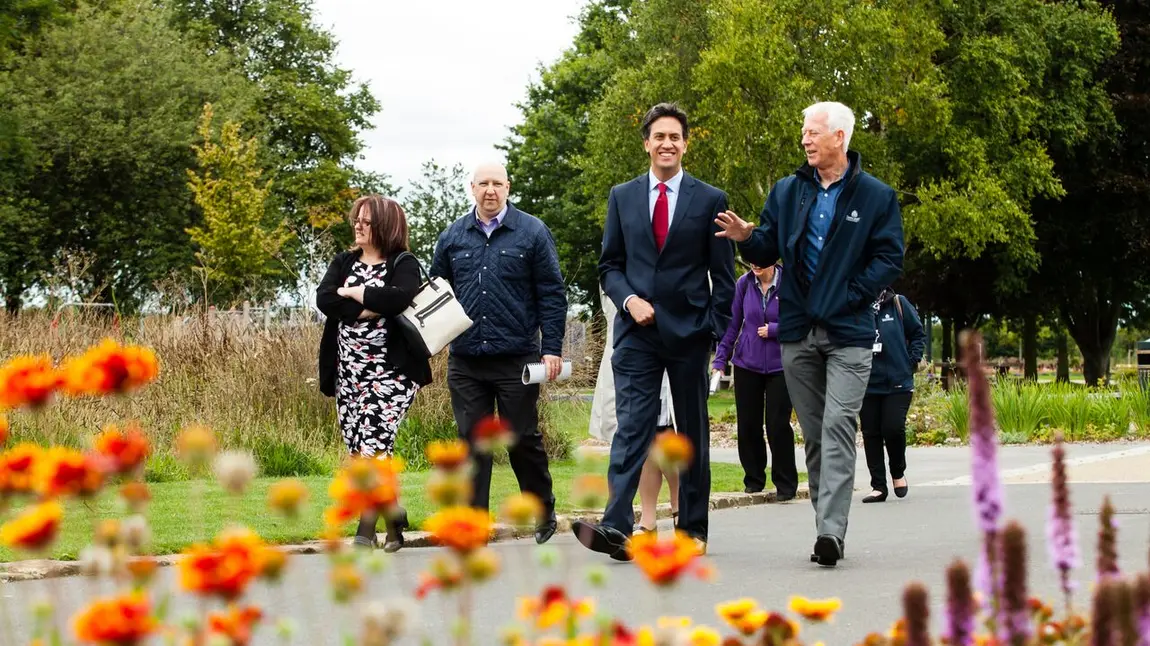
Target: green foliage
x=236, y=248
x=105, y=108
x=432, y=203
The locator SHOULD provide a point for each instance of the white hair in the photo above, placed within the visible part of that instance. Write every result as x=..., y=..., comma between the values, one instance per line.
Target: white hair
x=839, y=117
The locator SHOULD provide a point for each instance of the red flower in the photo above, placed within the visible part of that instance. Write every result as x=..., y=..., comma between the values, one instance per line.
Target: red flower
x=235, y=624
x=491, y=432
x=125, y=450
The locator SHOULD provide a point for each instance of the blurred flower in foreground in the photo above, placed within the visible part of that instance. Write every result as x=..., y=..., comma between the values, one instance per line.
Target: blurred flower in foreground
x=744, y=615
x=27, y=381
x=67, y=472
x=4, y=428
x=672, y=452
x=35, y=528
x=226, y=567
x=463, y=529
x=665, y=560
x=235, y=470
x=110, y=368
x=123, y=621
x=17, y=466
x=364, y=484
x=235, y=623
x=490, y=433
x=287, y=496
x=196, y=445
x=553, y=607
x=448, y=456
x=522, y=510
x=124, y=450
x=589, y=491
x=815, y=610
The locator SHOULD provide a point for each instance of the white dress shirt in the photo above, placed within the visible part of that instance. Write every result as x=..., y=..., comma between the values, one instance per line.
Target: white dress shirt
x=653, y=196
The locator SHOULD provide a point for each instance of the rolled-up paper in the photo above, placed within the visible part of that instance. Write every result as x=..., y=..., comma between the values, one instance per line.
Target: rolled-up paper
x=536, y=373
x=715, y=382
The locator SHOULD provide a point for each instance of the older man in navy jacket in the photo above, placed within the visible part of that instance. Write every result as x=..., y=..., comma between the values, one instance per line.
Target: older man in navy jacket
x=838, y=231
x=504, y=268
x=672, y=281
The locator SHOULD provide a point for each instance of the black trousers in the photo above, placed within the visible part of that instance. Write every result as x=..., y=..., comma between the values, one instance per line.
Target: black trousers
x=883, y=420
x=638, y=363
x=478, y=385
x=754, y=394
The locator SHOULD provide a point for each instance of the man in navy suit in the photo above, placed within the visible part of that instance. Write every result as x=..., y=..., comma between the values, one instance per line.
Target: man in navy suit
x=672, y=280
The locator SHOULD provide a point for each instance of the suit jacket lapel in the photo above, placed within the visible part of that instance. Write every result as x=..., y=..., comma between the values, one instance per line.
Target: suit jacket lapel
x=642, y=199
x=686, y=192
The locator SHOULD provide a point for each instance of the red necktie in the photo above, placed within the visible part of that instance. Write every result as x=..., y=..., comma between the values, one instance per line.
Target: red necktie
x=659, y=220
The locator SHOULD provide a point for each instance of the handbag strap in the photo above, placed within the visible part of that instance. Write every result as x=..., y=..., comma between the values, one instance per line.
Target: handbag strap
x=426, y=277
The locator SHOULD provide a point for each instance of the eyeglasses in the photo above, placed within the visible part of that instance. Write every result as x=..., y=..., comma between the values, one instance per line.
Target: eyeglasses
x=363, y=222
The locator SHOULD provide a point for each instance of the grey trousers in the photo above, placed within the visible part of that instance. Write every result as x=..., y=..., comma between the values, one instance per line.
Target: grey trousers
x=827, y=384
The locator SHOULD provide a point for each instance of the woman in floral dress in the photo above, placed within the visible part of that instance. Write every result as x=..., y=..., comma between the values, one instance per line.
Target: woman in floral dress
x=364, y=360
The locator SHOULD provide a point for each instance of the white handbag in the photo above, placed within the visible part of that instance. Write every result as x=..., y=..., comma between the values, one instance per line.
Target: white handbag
x=435, y=317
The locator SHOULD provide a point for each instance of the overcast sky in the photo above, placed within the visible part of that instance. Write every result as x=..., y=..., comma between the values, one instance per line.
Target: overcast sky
x=447, y=73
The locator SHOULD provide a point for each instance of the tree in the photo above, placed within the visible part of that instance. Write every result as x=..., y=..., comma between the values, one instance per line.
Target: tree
x=313, y=109
x=1097, y=237
x=107, y=107
x=435, y=201
x=237, y=246
x=544, y=151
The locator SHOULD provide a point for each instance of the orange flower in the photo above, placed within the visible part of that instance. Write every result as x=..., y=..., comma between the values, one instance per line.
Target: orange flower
x=364, y=484
x=17, y=466
x=110, y=368
x=122, y=621
x=287, y=496
x=35, y=528
x=448, y=456
x=136, y=495
x=124, y=450
x=226, y=567
x=590, y=491
x=665, y=560
x=782, y=628
x=3, y=430
x=142, y=569
x=815, y=609
x=553, y=608
x=672, y=451
x=27, y=381
x=67, y=472
x=235, y=625
x=346, y=582
x=463, y=529
x=274, y=563
x=491, y=432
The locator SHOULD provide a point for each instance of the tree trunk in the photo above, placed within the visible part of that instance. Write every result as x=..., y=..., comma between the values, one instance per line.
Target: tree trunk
x=1030, y=347
x=947, y=351
x=13, y=302
x=1063, y=370
x=1093, y=324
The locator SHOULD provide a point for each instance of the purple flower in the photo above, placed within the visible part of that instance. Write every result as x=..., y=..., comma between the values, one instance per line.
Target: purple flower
x=988, y=495
x=1061, y=543
x=960, y=610
x=1107, y=542
x=1142, y=608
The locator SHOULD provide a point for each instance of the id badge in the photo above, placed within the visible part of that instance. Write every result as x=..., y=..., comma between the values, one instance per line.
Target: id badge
x=876, y=348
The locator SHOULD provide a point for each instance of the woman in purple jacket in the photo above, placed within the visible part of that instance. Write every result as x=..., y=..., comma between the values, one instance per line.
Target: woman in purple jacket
x=759, y=382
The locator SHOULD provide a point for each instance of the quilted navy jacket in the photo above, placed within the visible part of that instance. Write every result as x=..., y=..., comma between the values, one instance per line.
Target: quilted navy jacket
x=509, y=285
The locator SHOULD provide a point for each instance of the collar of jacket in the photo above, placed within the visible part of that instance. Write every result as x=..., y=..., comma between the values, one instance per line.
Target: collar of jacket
x=807, y=172
x=510, y=220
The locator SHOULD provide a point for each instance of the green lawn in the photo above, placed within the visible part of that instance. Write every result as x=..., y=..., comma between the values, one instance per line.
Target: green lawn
x=185, y=512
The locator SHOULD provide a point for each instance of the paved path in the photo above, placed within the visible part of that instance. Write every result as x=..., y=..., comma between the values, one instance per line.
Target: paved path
x=761, y=552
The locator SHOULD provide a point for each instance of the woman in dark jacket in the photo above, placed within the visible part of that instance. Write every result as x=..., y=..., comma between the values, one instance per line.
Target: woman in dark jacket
x=899, y=343
x=759, y=383
x=363, y=360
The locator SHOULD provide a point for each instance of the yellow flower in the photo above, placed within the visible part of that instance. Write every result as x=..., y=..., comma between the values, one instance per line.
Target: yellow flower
x=449, y=488
x=743, y=615
x=672, y=451
x=482, y=564
x=196, y=445
x=522, y=510
x=35, y=528
x=287, y=496
x=553, y=607
x=815, y=610
x=704, y=636
x=448, y=456
x=589, y=491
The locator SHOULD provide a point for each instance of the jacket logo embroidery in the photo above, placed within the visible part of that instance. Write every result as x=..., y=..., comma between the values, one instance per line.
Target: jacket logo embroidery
x=853, y=217
x=887, y=318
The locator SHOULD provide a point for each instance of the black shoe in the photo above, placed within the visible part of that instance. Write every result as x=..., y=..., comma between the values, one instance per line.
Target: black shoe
x=602, y=539
x=828, y=550
x=364, y=542
x=752, y=489
x=393, y=543
x=784, y=497
x=545, y=531
x=877, y=496
x=901, y=491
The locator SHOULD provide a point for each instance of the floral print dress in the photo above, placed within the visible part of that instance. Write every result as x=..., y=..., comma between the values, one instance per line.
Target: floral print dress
x=371, y=395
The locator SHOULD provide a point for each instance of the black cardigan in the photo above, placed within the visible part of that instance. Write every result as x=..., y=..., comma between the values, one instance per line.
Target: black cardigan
x=389, y=301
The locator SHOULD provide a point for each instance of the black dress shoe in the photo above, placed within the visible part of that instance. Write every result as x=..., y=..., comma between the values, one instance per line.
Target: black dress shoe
x=784, y=497
x=752, y=489
x=876, y=496
x=828, y=550
x=544, y=532
x=602, y=539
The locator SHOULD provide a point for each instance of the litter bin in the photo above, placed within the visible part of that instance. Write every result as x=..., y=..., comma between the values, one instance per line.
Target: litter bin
x=1144, y=364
